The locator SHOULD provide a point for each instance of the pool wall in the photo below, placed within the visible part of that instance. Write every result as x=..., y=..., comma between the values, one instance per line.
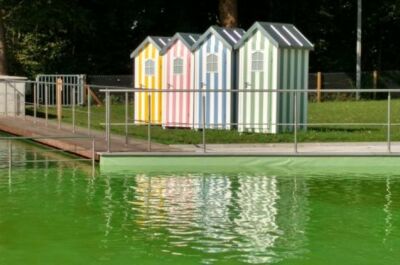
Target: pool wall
x=271, y=164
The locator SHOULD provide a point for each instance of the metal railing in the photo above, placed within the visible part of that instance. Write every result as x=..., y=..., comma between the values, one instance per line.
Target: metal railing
x=296, y=125
x=125, y=98
x=44, y=140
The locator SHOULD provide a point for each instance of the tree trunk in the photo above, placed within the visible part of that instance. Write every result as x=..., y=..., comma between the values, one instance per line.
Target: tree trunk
x=3, y=59
x=228, y=13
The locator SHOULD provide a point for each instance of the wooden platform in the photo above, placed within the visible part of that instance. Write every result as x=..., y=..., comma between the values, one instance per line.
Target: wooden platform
x=19, y=126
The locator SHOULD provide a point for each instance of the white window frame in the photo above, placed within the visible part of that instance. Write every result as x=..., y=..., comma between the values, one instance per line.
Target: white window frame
x=257, y=61
x=178, y=66
x=212, y=65
x=149, y=67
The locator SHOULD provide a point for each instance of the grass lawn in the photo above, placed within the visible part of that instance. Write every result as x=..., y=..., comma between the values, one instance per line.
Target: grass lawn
x=371, y=111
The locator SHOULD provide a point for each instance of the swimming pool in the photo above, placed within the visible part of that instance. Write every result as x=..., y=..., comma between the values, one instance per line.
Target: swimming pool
x=58, y=213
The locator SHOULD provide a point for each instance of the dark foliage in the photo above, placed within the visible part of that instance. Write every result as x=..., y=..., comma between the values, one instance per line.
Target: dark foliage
x=97, y=36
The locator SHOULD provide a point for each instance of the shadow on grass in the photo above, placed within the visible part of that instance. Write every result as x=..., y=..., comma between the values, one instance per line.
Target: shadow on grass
x=40, y=114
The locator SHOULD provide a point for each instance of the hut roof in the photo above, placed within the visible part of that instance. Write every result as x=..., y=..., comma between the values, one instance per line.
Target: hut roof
x=158, y=42
x=189, y=39
x=281, y=35
x=229, y=36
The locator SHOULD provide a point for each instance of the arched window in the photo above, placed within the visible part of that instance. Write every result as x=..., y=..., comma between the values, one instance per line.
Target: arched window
x=257, y=61
x=212, y=63
x=149, y=67
x=178, y=66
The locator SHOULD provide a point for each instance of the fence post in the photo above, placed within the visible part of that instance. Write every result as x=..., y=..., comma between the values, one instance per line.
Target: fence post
x=73, y=107
x=295, y=121
x=203, y=114
x=126, y=116
x=59, y=101
x=389, y=123
x=149, y=124
x=46, y=94
x=319, y=86
x=35, y=87
x=89, y=101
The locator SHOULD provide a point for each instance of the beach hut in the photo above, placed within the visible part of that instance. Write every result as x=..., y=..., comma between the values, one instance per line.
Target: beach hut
x=148, y=74
x=274, y=57
x=179, y=75
x=215, y=77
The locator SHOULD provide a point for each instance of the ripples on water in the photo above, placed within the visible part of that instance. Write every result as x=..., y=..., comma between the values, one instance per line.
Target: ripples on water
x=58, y=213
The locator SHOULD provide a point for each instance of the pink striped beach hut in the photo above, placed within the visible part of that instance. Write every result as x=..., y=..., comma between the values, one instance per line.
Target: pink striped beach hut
x=179, y=75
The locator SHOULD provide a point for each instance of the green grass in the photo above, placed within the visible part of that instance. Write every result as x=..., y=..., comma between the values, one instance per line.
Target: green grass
x=372, y=111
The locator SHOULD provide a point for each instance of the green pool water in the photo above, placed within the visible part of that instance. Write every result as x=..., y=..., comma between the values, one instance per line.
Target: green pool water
x=59, y=213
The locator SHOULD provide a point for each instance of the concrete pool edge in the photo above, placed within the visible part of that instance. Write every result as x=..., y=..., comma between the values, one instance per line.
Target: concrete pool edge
x=272, y=163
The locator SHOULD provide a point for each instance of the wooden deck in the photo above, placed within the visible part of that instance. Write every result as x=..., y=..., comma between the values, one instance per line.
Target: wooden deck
x=19, y=126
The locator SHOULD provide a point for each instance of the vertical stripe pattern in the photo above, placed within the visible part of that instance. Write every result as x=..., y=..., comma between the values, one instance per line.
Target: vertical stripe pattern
x=178, y=107
x=215, y=86
x=293, y=75
x=282, y=69
x=155, y=81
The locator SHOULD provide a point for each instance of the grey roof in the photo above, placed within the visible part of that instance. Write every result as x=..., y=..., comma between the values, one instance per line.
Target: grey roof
x=229, y=36
x=189, y=39
x=281, y=35
x=158, y=42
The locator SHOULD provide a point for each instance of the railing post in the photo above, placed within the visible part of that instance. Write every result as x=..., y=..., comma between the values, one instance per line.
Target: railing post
x=295, y=121
x=46, y=93
x=203, y=115
x=108, y=110
x=89, y=100
x=126, y=117
x=9, y=163
x=106, y=115
x=149, y=124
x=6, y=99
x=73, y=107
x=15, y=99
x=389, y=122
x=93, y=155
x=22, y=97
x=9, y=154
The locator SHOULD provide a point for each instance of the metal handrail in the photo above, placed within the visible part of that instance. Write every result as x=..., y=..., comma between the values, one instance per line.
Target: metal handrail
x=109, y=90
x=300, y=91
x=295, y=124
x=10, y=139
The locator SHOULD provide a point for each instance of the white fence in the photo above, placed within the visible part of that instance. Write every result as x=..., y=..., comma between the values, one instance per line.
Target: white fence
x=73, y=86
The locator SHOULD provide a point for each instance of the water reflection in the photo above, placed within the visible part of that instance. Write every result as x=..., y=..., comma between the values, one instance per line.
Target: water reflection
x=247, y=217
x=192, y=218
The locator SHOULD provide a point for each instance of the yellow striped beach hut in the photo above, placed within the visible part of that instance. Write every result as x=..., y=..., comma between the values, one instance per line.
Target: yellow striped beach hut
x=148, y=74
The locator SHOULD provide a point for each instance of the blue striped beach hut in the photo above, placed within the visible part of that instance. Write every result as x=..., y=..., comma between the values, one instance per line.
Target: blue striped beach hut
x=215, y=77
x=273, y=57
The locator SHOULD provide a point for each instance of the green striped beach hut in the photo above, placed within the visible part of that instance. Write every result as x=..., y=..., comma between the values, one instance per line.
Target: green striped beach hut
x=272, y=57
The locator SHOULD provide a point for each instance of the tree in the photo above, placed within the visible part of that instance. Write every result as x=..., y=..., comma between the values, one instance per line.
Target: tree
x=228, y=13
x=3, y=58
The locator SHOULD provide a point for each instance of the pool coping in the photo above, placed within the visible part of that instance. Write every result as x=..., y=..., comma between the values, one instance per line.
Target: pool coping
x=248, y=154
x=275, y=164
